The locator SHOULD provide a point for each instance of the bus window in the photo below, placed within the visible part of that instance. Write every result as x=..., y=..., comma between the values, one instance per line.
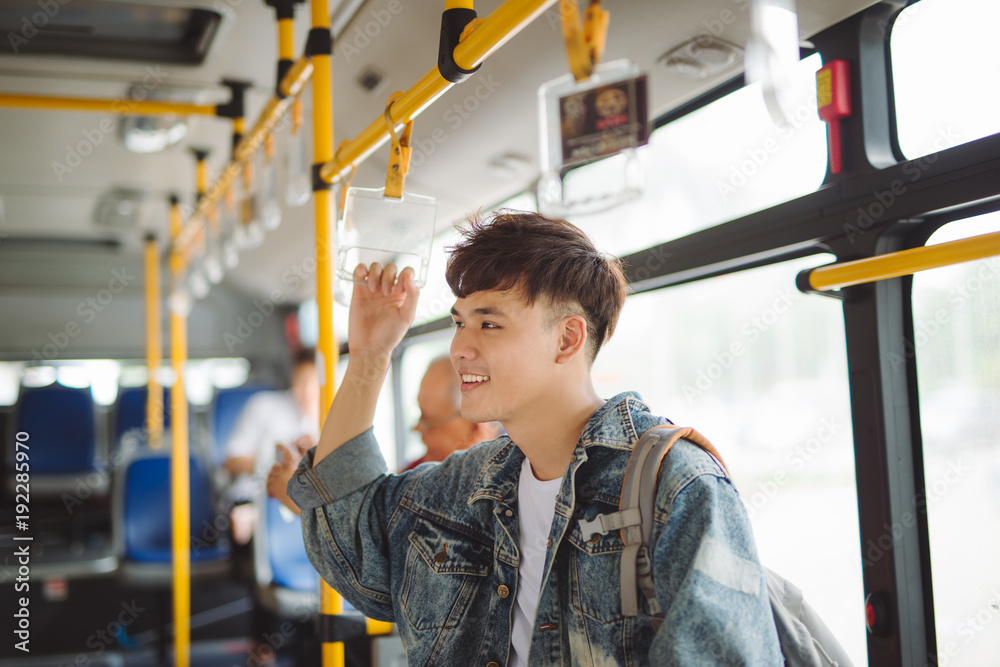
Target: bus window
x=760, y=370
x=720, y=162
x=944, y=65
x=956, y=317
x=10, y=378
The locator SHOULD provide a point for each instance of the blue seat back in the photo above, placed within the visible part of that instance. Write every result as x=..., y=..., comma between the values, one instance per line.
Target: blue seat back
x=63, y=430
x=290, y=566
x=131, y=412
x=226, y=410
x=147, y=512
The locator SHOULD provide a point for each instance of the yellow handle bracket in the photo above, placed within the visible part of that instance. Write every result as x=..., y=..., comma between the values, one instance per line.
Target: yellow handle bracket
x=584, y=41
x=595, y=30
x=399, y=156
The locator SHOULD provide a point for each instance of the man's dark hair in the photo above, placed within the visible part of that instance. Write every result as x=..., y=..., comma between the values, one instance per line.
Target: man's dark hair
x=544, y=258
x=304, y=355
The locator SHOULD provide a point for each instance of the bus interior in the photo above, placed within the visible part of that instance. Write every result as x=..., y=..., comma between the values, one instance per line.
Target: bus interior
x=856, y=402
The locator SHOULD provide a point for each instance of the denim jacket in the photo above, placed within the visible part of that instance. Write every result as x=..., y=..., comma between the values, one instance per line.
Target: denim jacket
x=435, y=550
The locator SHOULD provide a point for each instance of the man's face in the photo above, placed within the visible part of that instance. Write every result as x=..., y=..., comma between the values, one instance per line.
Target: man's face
x=504, y=350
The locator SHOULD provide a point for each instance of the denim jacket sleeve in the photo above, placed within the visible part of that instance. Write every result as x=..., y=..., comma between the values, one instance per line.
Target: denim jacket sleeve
x=347, y=502
x=708, y=578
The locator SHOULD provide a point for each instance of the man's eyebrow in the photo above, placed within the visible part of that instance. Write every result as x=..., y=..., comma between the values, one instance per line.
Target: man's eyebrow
x=485, y=310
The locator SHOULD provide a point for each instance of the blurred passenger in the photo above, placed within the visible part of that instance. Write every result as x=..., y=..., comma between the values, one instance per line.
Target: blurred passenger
x=269, y=418
x=442, y=428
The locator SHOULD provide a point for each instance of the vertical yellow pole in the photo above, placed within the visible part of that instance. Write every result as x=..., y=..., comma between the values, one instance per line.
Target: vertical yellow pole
x=330, y=601
x=180, y=482
x=286, y=37
x=154, y=345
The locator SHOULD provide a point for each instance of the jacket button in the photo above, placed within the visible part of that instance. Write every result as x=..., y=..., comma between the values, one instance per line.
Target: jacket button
x=547, y=626
x=509, y=513
x=503, y=591
x=492, y=664
x=548, y=543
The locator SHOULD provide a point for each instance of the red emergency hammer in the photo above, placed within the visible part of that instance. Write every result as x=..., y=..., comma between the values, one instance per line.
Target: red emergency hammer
x=833, y=99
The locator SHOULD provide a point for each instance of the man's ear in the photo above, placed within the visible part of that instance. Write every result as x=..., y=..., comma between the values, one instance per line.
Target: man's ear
x=572, y=338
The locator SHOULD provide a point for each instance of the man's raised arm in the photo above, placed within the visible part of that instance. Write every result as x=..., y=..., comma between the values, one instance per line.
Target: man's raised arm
x=382, y=309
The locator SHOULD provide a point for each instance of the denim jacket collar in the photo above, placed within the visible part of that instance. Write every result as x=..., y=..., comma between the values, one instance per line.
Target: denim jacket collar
x=610, y=426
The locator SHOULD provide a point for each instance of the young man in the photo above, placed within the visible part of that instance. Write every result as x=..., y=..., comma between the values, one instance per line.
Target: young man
x=481, y=560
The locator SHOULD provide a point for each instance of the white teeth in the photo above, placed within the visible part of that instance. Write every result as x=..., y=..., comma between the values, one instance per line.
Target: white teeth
x=474, y=378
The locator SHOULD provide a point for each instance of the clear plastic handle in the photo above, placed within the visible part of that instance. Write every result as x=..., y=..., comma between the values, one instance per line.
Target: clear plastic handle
x=376, y=228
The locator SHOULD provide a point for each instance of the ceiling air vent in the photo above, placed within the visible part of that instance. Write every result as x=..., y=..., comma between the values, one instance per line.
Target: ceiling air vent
x=121, y=208
x=154, y=30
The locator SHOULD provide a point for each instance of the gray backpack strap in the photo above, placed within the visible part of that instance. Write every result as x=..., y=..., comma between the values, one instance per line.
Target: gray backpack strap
x=635, y=515
x=805, y=640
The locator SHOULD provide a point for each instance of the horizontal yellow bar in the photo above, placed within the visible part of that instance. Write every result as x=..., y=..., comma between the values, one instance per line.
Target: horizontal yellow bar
x=904, y=262
x=378, y=627
x=123, y=106
x=506, y=21
x=297, y=77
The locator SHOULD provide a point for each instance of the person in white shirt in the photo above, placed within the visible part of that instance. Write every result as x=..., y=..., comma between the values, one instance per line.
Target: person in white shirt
x=269, y=418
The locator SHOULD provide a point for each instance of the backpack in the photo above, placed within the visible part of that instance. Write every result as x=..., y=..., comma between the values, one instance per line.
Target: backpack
x=805, y=640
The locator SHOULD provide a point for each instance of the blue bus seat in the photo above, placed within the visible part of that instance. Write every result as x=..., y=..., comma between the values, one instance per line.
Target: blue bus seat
x=286, y=582
x=64, y=439
x=130, y=412
x=143, y=523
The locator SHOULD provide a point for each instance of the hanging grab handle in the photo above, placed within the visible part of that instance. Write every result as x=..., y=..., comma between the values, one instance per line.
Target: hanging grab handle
x=399, y=156
x=584, y=43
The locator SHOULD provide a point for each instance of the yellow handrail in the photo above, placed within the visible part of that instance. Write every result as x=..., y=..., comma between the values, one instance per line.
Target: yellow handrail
x=123, y=106
x=180, y=477
x=904, y=262
x=506, y=21
x=154, y=345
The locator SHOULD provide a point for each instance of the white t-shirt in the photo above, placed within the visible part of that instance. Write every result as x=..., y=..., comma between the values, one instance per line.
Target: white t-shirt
x=536, y=502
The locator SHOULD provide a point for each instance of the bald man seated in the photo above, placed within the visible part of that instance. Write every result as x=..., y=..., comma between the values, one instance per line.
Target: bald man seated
x=441, y=426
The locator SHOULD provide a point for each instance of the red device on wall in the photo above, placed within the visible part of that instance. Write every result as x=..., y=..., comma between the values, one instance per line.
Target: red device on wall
x=833, y=99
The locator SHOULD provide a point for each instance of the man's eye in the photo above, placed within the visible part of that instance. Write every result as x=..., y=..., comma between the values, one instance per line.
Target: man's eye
x=457, y=324
x=490, y=325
